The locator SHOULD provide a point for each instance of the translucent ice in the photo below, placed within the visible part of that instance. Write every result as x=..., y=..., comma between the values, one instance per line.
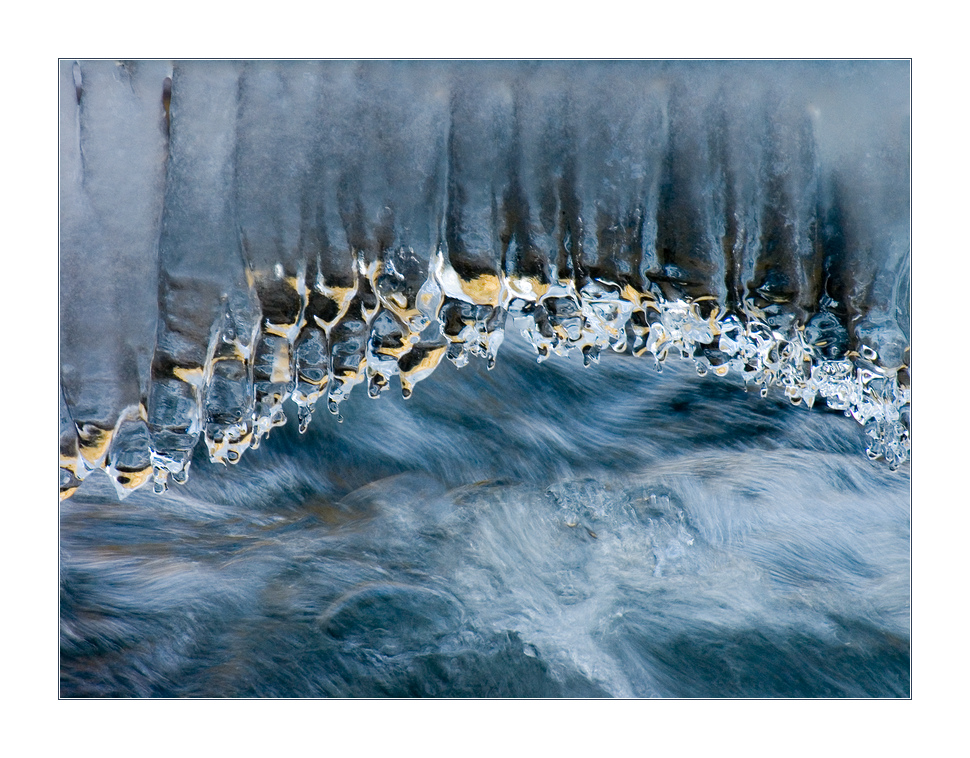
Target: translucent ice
x=237, y=237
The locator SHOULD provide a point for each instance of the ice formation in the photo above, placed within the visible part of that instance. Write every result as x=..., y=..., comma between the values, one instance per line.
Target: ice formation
x=235, y=237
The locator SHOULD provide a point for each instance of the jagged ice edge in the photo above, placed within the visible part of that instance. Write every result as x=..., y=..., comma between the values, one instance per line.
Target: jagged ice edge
x=749, y=347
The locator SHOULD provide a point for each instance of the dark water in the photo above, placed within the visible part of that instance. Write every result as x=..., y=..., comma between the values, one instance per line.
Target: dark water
x=533, y=531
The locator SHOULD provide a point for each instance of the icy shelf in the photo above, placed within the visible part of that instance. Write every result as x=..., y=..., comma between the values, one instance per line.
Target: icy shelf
x=242, y=241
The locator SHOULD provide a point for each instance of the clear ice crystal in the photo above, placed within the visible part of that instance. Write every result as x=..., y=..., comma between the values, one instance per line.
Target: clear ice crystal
x=384, y=332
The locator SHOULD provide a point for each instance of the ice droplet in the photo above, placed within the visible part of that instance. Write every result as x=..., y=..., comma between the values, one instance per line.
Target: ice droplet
x=305, y=415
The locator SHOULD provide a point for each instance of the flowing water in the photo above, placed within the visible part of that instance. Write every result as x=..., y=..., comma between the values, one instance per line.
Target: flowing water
x=521, y=532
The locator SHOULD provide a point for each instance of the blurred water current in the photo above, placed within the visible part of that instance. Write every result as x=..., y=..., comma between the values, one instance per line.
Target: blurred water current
x=528, y=532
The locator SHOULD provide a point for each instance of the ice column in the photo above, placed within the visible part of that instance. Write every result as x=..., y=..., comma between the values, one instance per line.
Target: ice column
x=113, y=155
